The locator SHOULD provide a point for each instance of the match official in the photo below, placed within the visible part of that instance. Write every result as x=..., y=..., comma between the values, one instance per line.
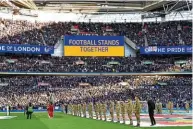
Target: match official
x=151, y=108
x=29, y=111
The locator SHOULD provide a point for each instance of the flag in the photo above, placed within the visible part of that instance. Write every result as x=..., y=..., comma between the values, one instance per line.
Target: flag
x=76, y=27
x=84, y=84
x=108, y=28
x=113, y=63
x=139, y=33
x=43, y=84
x=87, y=33
x=79, y=62
x=51, y=99
x=44, y=62
x=11, y=60
x=185, y=27
x=147, y=62
x=162, y=83
x=4, y=84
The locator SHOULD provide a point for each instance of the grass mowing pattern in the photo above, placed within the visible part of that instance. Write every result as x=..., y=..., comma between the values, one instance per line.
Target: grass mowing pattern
x=61, y=121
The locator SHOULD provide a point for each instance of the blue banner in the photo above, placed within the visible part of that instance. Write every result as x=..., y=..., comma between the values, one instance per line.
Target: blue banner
x=27, y=49
x=94, y=46
x=94, y=41
x=166, y=50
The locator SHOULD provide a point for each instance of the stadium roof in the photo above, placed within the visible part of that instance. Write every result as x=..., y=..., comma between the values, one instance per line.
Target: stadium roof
x=100, y=6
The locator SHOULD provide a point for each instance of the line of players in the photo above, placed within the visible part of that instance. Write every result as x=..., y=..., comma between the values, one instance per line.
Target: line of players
x=170, y=106
x=119, y=108
x=100, y=109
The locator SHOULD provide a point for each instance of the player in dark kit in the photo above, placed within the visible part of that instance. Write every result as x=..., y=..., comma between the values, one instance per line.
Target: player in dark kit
x=151, y=108
x=66, y=108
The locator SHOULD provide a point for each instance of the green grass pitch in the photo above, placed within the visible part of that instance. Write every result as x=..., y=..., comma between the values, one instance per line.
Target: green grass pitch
x=62, y=121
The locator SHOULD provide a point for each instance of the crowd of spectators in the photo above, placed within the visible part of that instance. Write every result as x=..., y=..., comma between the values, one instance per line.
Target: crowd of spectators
x=169, y=33
x=20, y=90
x=18, y=63
x=25, y=32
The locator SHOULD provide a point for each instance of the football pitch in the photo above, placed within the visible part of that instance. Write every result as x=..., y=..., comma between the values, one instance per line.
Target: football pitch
x=62, y=121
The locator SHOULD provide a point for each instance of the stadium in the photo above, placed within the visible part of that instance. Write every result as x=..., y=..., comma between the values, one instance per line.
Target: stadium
x=90, y=64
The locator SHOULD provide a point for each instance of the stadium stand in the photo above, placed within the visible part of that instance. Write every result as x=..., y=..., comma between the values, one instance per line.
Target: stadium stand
x=25, y=32
x=147, y=64
x=77, y=89
x=19, y=90
x=61, y=57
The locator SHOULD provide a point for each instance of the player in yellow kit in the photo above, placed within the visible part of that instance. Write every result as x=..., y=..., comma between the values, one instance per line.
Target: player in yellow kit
x=137, y=110
x=123, y=111
x=76, y=109
x=71, y=108
x=118, y=111
x=177, y=106
x=79, y=110
x=84, y=109
x=100, y=110
x=130, y=110
x=160, y=107
x=187, y=106
x=170, y=107
x=96, y=110
x=111, y=107
x=104, y=110
x=90, y=110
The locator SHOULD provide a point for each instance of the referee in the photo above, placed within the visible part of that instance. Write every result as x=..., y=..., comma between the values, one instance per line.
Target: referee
x=29, y=111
